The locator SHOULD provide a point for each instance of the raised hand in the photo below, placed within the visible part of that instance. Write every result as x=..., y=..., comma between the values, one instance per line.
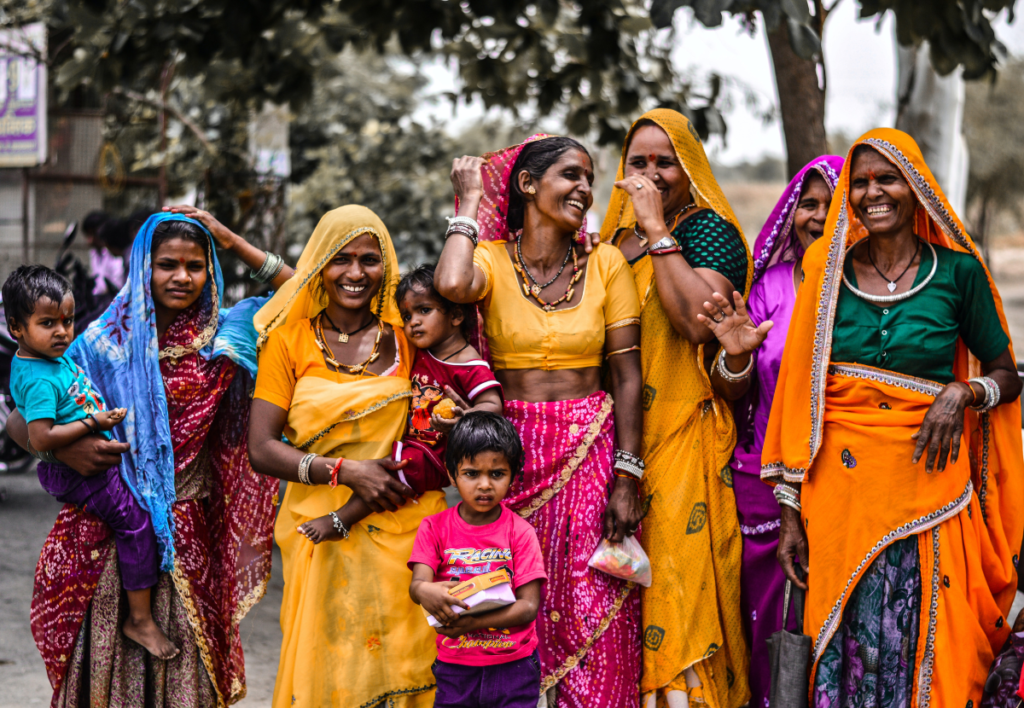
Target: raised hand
x=647, y=205
x=732, y=325
x=224, y=236
x=466, y=179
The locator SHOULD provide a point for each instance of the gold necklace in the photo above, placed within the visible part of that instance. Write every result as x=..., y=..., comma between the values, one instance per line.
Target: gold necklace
x=357, y=369
x=534, y=292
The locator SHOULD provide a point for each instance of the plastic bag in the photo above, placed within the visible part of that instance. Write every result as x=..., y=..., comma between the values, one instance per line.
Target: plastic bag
x=625, y=560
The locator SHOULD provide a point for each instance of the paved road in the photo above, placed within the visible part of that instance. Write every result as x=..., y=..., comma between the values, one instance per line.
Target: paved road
x=26, y=516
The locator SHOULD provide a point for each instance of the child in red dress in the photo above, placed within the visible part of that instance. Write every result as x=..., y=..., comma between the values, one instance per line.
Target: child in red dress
x=445, y=367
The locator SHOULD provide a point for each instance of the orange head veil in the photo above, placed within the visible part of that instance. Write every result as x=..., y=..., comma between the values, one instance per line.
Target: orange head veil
x=690, y=153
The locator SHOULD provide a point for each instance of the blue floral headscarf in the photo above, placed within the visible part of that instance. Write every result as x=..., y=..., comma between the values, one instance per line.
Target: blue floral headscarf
x=120, y=355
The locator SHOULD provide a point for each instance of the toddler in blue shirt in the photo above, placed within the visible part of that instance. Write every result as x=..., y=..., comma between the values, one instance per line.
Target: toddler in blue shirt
x=60, y=406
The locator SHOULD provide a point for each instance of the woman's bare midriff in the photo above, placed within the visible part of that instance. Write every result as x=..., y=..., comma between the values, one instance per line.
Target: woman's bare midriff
x=538, y=385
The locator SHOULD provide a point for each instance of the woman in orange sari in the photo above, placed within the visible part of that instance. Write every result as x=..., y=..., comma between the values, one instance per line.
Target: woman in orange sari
x=894, y=444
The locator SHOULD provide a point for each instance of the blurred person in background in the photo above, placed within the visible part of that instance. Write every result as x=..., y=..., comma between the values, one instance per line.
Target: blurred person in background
x=758, y=330
x=106, y=267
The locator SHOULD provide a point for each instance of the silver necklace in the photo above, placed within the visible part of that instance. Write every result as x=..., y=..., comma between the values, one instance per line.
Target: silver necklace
x=891, y=298
x=537, y=287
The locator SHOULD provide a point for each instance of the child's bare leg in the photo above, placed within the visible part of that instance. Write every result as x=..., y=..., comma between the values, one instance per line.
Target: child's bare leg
x=141, y=628
x=322, y=529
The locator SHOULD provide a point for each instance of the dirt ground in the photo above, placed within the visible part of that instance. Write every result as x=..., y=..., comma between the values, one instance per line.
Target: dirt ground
x=27, y=514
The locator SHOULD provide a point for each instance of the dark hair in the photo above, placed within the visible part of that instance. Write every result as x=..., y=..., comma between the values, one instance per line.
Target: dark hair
x=26, y=286
x=534, y=159
x=421, y=279
x=632, y=133
x=185, y=230
x=483, y=431
x=115, y=234
x=94, y=220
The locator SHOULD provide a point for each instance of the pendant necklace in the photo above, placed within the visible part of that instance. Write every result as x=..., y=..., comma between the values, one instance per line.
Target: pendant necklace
x=675, y=222
x=534, y=291
x=537, y=287
x=892, y=283
x=357, y=369
x=343, y=336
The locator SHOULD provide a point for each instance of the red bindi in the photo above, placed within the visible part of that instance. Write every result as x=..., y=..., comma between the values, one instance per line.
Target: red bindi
x=871, y=174
x=652, y=157
x=182, y=261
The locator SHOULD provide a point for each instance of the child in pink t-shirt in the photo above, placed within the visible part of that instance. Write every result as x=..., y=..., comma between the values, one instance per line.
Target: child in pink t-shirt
x=487, y=660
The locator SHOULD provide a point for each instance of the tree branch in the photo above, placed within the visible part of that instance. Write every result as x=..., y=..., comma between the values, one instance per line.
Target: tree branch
x=167, y=107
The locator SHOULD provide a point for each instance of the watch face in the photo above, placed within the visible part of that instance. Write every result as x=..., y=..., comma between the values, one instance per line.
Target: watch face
x=666, y=242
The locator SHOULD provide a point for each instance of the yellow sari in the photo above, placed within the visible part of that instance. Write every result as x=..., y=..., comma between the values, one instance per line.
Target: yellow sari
x=843, y=430
x=691, y=614
x=352, y=636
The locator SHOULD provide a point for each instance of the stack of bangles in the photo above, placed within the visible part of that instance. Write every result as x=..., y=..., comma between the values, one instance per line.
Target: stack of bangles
x=304, y=464
x=465, y=226
x=992, y=394
x=787, y=495
x=731, y=376
x=629, y=466
x=271, y=268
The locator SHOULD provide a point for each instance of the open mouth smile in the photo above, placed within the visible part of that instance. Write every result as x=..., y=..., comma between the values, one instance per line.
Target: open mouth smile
x=353, y=288
x=576, y=203
x=879, y=210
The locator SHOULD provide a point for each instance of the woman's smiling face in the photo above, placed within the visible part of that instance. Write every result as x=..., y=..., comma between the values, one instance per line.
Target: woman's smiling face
x=563, y=193
x=652, y=155
x=879, y=195
x=353, y=277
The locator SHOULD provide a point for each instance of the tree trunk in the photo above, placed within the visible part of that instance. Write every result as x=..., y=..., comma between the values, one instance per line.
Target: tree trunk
x=801, y=102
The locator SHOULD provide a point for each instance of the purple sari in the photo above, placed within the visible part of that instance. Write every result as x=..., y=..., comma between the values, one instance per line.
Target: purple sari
x=772, y=297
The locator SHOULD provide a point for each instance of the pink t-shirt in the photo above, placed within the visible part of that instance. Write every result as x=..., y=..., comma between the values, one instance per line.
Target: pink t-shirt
x=457, y=551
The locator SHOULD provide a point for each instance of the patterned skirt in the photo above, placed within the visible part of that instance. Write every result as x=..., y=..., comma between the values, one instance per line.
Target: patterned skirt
x=589, y=622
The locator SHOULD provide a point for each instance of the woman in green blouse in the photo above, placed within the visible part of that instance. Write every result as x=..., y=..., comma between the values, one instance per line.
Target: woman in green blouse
x=897, y=358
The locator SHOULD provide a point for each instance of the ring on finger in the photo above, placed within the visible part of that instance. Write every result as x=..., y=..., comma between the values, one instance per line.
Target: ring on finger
x=719, y=318
x=638, y=185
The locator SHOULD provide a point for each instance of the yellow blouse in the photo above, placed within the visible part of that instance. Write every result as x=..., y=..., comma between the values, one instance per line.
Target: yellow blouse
x=523, y=336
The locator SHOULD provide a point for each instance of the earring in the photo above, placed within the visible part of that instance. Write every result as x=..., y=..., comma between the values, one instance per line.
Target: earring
x=531, y=190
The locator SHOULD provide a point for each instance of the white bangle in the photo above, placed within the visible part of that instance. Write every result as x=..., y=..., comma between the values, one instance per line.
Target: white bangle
x=992, y=393
x=731, y=376
x=467, y=221
x=304, y=464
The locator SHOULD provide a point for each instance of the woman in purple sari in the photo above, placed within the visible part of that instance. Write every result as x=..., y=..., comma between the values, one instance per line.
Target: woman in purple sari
x=797, y=220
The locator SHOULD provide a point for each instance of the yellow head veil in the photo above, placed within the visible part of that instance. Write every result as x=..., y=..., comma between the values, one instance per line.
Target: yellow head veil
x=296, y=300
x=690, y=153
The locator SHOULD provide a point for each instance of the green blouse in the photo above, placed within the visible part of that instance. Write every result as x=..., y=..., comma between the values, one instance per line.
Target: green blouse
x=917, y=336
x=709, y=241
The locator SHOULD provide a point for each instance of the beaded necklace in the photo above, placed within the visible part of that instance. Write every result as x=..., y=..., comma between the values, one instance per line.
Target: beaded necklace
x=534, y=291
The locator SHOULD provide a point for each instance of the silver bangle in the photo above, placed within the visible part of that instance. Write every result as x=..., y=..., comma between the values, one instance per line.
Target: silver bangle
x=465, y=221
x=992, y=393
x=44, y=455
x=338, y=526
x=304, y=464
x=786, y=495
x=790, y=503
x=629, y=468
x=272, y=266
x=733, y=376
x=462, y=231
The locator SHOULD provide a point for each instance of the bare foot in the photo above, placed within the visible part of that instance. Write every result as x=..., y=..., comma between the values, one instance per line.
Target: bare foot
x=148, y=634
x=321, y=529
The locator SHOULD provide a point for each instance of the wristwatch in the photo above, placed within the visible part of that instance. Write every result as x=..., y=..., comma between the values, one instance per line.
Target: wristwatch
x=667, y=242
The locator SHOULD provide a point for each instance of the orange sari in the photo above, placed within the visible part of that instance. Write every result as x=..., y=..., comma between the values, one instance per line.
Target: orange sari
x=968, y=519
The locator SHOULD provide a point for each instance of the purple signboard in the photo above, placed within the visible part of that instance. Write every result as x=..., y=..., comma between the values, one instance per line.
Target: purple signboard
x=23, y=96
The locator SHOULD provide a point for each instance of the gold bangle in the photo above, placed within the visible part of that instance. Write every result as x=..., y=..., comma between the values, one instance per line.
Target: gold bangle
x=622, y=323
x=623, y=351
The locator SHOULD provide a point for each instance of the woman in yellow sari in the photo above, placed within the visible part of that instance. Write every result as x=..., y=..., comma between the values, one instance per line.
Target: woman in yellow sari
x=334, y=379
x=906, y=502
x=672, y=222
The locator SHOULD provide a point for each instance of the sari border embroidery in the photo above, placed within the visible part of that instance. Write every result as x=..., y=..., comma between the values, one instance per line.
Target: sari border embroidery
x=924, y=681
x=774, y=470
x=569, y=664
x=891, y=378
x=184, y=592
x=823, y=328
x=983, y=491
x=593, y=430
x=908, y=529
x=760, y=528
x=376, y=701
x=353, y=415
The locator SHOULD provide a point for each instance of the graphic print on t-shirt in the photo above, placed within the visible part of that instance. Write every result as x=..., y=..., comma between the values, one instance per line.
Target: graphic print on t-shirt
x=461, y=564
x=426, y=393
